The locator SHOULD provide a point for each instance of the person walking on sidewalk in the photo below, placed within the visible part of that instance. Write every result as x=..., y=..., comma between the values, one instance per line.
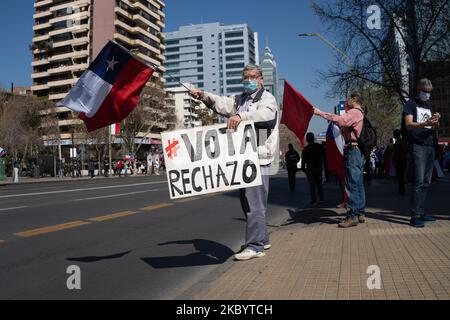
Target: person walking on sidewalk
x=292, y=158
x=91, y=168
x=400, y=160
x=420, y=124
x=351, y=124
x=120, y=167
x=260, y=106
x=16, y=166
x=312, y=163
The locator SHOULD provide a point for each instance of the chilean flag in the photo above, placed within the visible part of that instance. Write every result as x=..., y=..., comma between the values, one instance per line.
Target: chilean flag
x=109, y=90
x=335, y=151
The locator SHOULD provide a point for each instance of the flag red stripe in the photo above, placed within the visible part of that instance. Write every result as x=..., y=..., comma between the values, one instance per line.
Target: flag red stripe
x=123, y=96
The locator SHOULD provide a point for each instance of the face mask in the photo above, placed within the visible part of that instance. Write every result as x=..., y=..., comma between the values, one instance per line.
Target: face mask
x=424, y=96
x=250, y=86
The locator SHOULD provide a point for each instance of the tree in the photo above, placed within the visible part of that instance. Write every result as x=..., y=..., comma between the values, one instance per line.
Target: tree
x=21, y=124
x=420, y=28
x=205, y=115
x=152, y=114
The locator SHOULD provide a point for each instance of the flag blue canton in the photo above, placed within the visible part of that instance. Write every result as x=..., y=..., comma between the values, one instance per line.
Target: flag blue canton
x=110, y=62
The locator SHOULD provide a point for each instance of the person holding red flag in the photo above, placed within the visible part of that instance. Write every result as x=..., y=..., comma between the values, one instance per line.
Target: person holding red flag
x=351, y=124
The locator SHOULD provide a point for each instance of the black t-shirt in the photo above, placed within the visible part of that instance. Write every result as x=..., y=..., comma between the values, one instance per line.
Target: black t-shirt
x=313, y=156
x=421, y=112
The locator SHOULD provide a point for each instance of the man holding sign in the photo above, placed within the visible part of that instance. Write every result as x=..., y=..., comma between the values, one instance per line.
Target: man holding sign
x=257, y=105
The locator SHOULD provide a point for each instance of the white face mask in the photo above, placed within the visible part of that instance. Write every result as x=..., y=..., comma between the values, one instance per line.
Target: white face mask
x=424, y=96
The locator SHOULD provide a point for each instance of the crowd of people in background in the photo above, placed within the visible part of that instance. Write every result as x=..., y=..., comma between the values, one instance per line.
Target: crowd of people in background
x=413, y=155
x=151, y=164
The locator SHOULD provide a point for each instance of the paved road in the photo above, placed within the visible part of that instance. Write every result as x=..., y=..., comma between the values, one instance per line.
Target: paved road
x=128, y=238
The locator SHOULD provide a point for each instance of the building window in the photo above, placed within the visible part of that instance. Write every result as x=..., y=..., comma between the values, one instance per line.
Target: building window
x=234, y=50
x=234, y=34
x=234, y=65
x=235, y=58
x=234, y=42
x=171, y=42
x=234, y=81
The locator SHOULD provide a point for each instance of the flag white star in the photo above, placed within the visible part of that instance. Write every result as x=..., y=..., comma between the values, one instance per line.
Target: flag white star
x=111, y=64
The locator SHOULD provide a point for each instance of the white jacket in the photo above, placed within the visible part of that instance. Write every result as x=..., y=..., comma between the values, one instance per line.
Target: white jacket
x=263, y=111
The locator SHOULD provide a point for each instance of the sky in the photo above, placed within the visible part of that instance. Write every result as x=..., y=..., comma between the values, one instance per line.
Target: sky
x=299, y=59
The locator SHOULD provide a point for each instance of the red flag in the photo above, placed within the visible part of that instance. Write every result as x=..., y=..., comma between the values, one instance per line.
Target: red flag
x=297, y=112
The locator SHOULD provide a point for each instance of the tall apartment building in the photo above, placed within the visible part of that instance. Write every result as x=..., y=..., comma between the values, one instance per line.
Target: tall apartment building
x=210, y=56
x=186, y=115
x=270, y=73
x=68, y=35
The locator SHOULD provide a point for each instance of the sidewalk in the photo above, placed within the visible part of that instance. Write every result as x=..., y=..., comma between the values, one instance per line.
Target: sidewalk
x=29, y=180
x=311, y=258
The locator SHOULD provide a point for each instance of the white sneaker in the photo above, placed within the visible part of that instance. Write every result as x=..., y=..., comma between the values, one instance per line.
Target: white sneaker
x=248, y=254
x=266, y=247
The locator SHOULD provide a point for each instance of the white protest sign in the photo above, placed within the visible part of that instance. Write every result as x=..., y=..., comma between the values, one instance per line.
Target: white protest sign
x=211, y=159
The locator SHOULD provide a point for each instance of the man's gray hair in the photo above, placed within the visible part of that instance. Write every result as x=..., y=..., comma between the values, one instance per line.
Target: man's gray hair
x=424, y=83
x=252, y=67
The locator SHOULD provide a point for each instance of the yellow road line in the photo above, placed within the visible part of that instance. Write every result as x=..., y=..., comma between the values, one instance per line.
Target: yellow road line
x=55, y=228
x=156, y=206
x=112, y=216
x=186, y=200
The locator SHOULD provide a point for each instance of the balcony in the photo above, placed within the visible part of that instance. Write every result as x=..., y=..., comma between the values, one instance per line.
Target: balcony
x=71, y=42
x=76, y=4
x=42, y=3
x=40, y=87
x=42, y=26
x=78, y=15
x=62, y=69
x=58, y=96
x=43, y=14
x=73, y=55
x=40, y=62
x=63, y=82
x=39, y=75
x=41, y=38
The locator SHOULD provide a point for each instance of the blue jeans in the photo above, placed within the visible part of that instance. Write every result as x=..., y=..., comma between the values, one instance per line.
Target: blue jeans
x=254, y=205
x=354, y=182
x=423, y=162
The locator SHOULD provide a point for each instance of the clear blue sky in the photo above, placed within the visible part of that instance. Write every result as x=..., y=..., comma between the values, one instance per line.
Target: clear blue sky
x=299, y=59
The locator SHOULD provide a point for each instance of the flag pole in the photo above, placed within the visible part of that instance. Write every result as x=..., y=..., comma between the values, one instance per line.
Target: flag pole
x=154, y=66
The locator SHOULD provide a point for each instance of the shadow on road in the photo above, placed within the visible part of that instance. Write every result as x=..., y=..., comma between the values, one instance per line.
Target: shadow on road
x=208, y=253
x=95, y=259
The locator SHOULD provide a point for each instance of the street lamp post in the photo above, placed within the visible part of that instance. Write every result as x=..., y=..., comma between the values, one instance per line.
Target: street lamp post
x=328, y=42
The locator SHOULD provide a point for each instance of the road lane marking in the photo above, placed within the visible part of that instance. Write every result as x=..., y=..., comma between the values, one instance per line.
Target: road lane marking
x=113, y=216
x=13, y=208
x=116, y=195
x=77, y=190
x=55, y=228
x=2, y=241
x=156, y=206
x=186, y=200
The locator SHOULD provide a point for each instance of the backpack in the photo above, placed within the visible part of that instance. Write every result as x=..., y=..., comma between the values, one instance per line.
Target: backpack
x=368, y=138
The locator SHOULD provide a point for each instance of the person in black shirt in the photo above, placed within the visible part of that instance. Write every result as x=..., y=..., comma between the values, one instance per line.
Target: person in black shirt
x=420, y=124
x=313, y=157
x=292, y=158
